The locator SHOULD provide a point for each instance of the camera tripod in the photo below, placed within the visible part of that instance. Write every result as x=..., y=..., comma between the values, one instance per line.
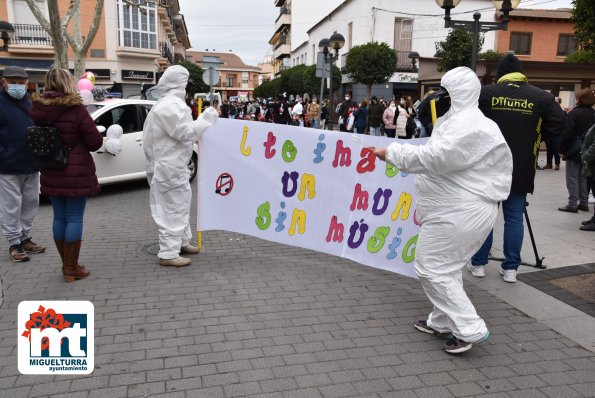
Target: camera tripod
x=538, y=260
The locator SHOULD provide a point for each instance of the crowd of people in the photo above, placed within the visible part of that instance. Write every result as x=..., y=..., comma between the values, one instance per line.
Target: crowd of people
x=376, y=116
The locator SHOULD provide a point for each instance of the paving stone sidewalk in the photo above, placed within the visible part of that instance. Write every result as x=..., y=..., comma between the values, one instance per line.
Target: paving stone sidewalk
x=253, y=318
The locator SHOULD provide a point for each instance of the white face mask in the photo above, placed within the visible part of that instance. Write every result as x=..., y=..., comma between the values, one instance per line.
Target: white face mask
x=392, y=105
x=347, y=98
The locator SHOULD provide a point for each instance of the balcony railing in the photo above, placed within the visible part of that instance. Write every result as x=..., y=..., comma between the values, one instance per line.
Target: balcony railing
x=283, y=40
x=403, y=60
x=166, y=52
x=33, y=35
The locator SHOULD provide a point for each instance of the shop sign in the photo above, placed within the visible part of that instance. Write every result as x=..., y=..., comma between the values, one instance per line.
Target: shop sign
x=137, y=75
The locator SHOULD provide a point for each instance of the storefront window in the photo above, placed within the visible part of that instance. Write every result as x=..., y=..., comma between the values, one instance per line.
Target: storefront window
x=137, y=24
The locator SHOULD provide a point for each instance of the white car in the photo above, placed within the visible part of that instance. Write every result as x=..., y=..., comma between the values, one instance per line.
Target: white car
x=129, y=164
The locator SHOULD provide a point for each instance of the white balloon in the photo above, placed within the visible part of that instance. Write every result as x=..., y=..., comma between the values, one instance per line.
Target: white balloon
x=114, y=131
x=87, y=97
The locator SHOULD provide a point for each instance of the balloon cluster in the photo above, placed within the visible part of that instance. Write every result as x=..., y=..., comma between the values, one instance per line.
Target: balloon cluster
x=85, y=86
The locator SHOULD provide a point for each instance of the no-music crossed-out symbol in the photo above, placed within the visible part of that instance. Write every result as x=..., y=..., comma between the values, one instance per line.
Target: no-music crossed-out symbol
x=224, y=184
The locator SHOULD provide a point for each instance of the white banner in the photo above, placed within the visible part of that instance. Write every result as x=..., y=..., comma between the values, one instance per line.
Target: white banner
x=316, y=189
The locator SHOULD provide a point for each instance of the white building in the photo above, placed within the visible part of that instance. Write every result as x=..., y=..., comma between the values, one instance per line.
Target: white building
x=406, y=26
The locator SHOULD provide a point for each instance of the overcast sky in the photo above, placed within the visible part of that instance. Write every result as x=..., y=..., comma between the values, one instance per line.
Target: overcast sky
x=245, y=26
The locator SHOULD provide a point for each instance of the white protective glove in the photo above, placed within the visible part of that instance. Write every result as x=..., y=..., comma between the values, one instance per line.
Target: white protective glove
x=205, y=120
x=113, y=134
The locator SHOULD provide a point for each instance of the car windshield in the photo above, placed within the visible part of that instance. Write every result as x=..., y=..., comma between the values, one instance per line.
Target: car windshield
x=93, y=107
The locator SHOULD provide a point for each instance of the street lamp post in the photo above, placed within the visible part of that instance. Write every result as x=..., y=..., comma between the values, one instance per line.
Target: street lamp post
x=475, y=26
x=335, y=42
x=6, y=31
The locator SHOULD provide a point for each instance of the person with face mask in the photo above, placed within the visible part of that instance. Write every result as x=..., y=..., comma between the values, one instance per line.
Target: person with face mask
x=345, y=110
x=168, y=137
x=462, y=172
x=389, y=120
x=19, y=177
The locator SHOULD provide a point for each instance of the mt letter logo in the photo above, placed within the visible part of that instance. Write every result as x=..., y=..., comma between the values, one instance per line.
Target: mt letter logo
x=56, y=337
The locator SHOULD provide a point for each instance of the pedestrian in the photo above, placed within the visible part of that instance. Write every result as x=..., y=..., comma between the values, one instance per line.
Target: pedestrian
x=19, y=177
x=169, y=134
x=401, y=117
x=313, y=114
x=524, y=114
x=552, y=145
x=280, y=111
x=324, y=113
x=388, y=117
x=361, y=117
x=462, y=172
x=588, y=160
x=344, y=110
x=375, y=111
x=578, y=122
x=68, y=187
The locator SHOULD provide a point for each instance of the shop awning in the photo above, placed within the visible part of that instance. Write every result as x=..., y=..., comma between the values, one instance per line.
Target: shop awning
x=30, y=65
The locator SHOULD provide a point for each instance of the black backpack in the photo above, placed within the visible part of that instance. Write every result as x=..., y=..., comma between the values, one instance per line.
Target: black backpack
x=46, y=147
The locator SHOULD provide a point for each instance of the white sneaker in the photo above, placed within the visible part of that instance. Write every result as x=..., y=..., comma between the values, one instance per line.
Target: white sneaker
x=175, y=262
x=477, y=271
x=189, y=249
x=591, y=199
x=509, y=275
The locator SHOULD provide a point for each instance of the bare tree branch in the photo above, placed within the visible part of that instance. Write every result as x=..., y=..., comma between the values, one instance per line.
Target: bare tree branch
x=68, y=16
x=94, y=27
x=39, y=15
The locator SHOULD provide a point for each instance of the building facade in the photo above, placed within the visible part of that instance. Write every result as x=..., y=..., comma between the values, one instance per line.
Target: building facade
x=133, y=45
x=236, y=78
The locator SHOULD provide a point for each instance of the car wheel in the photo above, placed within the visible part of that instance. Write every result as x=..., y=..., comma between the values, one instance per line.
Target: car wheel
x=193, y=166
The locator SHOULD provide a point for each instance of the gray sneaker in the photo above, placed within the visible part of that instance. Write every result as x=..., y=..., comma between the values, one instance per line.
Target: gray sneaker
x=478, y=271
x=509, y=275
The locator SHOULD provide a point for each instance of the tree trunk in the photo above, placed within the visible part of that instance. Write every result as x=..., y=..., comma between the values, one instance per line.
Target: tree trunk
x=79, y=65
x=368, y=91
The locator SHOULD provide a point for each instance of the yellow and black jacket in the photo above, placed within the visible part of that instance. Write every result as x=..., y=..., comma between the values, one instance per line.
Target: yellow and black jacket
x=526, y=115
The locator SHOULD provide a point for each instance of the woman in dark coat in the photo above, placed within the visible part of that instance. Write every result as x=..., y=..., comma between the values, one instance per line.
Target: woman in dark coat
x=361, y=117
x=579, y=120
x=68, y=188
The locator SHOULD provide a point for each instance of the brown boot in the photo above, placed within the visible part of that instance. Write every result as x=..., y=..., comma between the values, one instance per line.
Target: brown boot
x=60, y=247
x=72, y=269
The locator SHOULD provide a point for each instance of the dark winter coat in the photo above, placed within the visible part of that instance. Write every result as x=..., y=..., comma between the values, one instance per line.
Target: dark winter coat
x=578, y=122
x=77, y=130
x=375, y=112
x=525, y=115
x=361, y=117
x=14, y=155
x=588, y=154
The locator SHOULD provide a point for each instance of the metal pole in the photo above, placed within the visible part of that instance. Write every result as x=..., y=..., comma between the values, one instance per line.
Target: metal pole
x=476, y=27
x=321, y=92
x=330, y=89
x=211, y=70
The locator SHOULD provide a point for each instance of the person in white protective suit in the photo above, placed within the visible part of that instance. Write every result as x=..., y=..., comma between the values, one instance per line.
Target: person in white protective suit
x=168, y=137
x=462, y=172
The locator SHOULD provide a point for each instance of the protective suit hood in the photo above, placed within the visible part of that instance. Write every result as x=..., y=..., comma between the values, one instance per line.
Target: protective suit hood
x=464, y=88
x=173, y=81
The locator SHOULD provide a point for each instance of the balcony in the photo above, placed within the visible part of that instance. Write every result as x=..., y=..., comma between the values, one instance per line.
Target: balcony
x=282, y=51
x=30, y=39
x=403, y=60
x=282, y=21
x=166, y=58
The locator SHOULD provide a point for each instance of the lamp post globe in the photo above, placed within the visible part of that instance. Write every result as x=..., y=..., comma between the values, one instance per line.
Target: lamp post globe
x=447, y=4
x=324, y=44
x=337, y=41
x=506, y=5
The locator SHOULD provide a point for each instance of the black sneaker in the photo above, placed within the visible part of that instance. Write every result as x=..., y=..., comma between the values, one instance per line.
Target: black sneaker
x=456, y=346
x=18, y=254
x=422, y=326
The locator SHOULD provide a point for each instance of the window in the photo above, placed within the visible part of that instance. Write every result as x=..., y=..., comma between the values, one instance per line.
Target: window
x=520, y=43
x=403, y=37
x=137, y=28
x=126, y=116
x=566, y=45
x=230, y=80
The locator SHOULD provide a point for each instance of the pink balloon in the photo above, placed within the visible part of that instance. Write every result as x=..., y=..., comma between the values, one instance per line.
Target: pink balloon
x=85, y=84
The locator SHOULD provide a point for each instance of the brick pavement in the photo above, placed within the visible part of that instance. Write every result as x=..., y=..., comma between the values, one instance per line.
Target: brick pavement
x=257, y=319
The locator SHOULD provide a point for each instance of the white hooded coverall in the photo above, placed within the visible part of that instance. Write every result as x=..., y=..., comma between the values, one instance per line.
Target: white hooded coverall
x=463, y=171
x=168, y=137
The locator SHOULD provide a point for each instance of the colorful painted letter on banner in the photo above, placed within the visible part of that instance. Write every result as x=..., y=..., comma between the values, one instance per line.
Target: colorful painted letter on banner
x=316, y=189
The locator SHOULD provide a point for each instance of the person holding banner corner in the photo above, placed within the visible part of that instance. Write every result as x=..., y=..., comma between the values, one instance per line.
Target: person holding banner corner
x=168, y=137
x=462, y=172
